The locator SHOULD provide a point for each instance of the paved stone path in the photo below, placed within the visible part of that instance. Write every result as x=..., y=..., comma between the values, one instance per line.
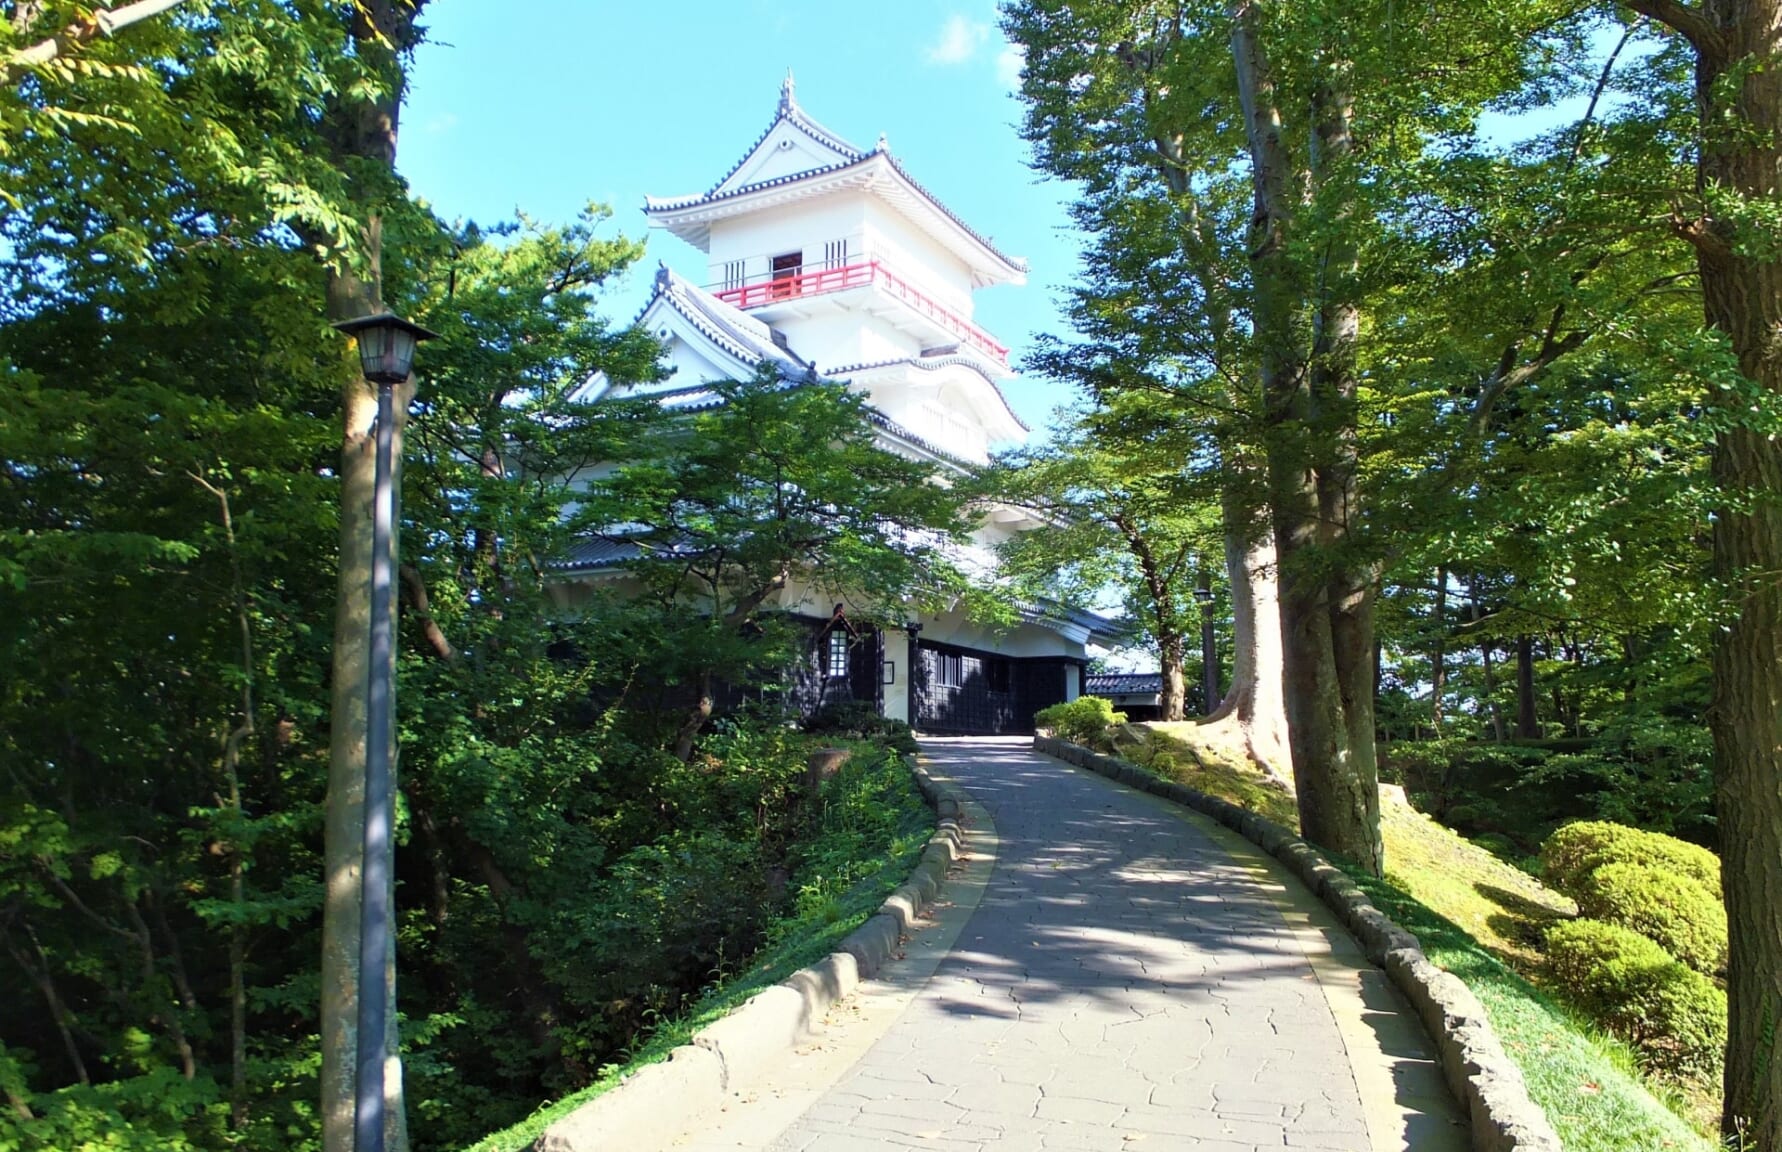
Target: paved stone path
x=1134, y=978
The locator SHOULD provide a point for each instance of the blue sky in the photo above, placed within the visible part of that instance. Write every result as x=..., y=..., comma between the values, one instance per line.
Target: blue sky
x=543, y=105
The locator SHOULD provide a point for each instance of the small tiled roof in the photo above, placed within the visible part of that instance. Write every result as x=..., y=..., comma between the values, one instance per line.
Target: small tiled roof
x=592, y=552
x=788, y=111
x=728, y=326
x=1124, y=684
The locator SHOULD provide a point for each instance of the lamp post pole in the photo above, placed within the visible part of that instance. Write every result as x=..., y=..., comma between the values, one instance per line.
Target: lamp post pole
x=1209, y=645
x=386, y=356
x=374, y=875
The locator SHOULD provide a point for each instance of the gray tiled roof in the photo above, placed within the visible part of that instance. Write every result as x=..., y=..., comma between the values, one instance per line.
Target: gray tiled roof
x=1124, y=684
x=594, y=552
x=732, y=329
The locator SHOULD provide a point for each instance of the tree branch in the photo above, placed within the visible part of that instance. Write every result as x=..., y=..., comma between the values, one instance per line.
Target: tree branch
x=1687, y=20
x=423, y=607
x=103, y=22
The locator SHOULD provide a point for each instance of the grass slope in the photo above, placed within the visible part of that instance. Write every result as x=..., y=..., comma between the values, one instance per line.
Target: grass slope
x=1477, y=917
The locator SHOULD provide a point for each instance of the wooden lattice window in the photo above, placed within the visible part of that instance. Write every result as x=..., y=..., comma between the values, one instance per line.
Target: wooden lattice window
x=838, y=655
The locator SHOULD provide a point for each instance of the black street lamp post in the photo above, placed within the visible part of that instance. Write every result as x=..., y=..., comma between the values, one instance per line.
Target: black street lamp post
x=1209, y=645
x=386, y=354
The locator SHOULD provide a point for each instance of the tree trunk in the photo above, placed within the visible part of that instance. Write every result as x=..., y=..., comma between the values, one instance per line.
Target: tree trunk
x=362, y=130
x=1308, y=386
x=1170, y=701
x=697, y=717
x=1743, y=296
x=1438, y=658
x=1528, y=724
x=1166, y=621
x=38, y=971
x=1739, y=94
x=1252, y=710
x=1491, y=710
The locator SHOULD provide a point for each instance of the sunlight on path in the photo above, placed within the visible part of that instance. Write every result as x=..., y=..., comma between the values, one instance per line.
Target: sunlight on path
x=1133, y=978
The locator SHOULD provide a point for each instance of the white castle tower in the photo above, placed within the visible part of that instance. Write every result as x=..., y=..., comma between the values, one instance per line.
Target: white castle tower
x=829, y=261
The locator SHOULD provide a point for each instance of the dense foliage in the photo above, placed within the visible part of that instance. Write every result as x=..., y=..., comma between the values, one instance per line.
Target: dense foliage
x=569, y=870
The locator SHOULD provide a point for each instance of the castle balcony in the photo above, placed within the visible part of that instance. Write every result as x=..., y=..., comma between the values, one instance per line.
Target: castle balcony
x=802, y=293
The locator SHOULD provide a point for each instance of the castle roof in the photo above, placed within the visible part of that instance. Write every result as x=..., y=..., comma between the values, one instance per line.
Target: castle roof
x=797, y=158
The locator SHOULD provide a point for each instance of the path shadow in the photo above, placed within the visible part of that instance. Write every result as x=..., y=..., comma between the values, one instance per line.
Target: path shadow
x=1103, y=898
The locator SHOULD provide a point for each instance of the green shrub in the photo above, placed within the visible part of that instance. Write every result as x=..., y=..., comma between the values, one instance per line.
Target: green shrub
x=1675, y=913
x=1674, y=1016
x=1571, y=854
x=1598, y=965
x=1081, y=720
x=862, y=719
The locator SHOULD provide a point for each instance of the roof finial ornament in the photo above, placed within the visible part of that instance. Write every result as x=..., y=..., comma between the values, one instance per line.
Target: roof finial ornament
x=883, y=145
x=787, y=100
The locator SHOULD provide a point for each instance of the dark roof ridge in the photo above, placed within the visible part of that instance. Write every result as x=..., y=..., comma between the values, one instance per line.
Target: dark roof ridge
x=733, y=329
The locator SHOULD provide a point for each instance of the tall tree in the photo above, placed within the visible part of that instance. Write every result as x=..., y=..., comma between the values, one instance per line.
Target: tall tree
x=1125, y=518
x=1127, y=101
x=1731, y=220
x=777, y=499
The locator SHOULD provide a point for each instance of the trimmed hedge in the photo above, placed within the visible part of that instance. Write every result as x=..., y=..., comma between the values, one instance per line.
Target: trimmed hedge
x=1080, y=721
x=1572, y=853
x=1674, y=1016
x=1673, y=912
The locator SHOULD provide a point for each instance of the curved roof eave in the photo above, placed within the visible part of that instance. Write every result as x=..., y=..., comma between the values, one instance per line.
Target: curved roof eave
x=935, y=363
x=1013, y=266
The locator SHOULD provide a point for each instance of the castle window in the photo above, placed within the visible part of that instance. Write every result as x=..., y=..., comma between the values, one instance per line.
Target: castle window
x=838, y=655
x=786, y=268
x=835, y=254
x=733, y=273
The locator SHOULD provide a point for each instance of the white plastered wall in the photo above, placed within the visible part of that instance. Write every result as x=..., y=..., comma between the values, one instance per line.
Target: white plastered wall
x=801, y=226
x=917, y=258
x=897, y=692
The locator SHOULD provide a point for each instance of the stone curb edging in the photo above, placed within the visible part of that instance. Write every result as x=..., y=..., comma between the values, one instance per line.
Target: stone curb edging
x=1479, y=1072
x=650, y=1107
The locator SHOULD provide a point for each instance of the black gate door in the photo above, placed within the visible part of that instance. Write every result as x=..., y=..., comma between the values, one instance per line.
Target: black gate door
x=966, y=692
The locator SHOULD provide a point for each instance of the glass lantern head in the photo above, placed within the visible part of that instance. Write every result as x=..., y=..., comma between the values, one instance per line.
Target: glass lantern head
x=386, y=345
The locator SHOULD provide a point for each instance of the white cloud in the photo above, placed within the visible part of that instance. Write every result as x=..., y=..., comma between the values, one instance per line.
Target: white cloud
x=959, y=40
x=1009, y=63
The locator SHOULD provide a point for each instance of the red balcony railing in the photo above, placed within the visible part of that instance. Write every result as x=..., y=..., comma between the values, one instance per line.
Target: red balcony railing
x=821, y=280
